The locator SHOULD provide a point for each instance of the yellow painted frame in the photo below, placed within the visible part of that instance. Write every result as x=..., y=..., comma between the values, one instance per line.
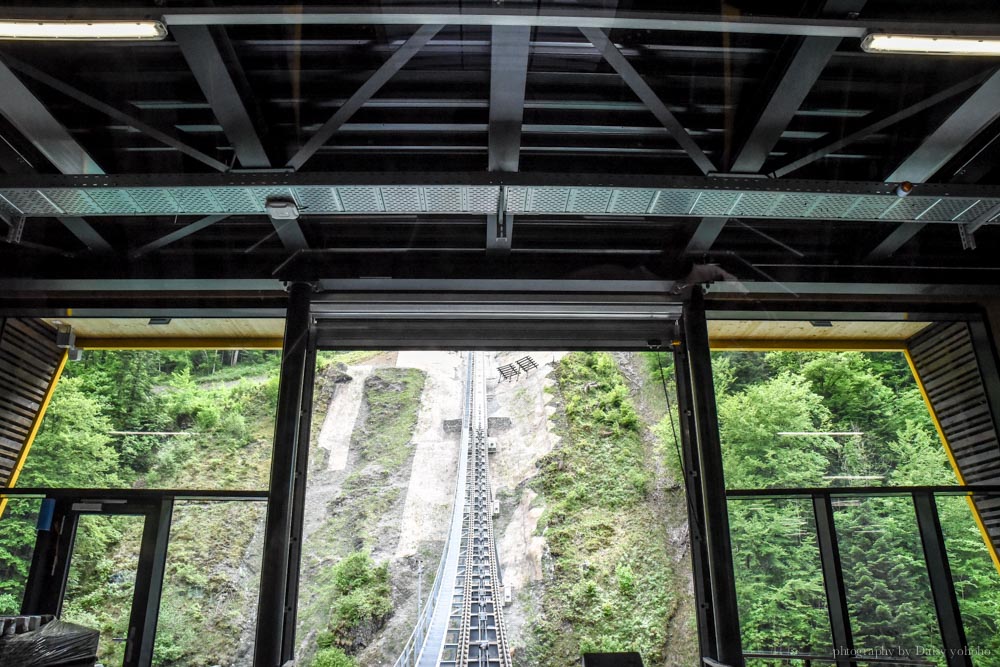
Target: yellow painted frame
x=806, y=345
x=166, y=343
x=36, y=423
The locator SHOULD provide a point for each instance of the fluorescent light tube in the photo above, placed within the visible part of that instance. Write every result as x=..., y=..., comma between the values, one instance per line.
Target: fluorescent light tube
x=931, y=45
x=82, y=30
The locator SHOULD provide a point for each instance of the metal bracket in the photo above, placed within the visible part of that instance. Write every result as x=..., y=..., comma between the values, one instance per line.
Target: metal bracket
x=968, y=239
x=499, y=225
x=16, y=230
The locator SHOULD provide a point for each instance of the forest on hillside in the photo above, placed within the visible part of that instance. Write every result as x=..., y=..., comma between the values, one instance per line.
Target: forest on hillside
x=769, y=406
x=616, y=569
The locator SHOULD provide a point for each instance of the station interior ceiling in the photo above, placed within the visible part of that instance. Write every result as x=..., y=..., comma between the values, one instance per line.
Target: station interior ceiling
x=593, y=153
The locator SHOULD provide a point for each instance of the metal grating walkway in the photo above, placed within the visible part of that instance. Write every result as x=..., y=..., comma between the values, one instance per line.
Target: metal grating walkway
x=713, y=197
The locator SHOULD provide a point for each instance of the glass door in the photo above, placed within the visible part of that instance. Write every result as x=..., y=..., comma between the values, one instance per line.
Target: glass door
x=115, y=550
x=103, y=566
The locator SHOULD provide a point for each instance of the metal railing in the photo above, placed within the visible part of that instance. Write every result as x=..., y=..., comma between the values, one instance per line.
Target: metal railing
x=929, y=532
x=811, y=659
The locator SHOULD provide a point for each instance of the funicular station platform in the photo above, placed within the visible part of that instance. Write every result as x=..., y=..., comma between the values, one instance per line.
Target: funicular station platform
x=513, y=176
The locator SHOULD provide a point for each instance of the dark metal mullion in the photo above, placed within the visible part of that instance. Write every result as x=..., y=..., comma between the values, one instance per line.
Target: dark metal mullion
x=277, y=532
x=43, y=591
x=299, y=502
x=149, y=585
x=695, y=507
x=833, y=581
x=949, y=616
x=720, y=556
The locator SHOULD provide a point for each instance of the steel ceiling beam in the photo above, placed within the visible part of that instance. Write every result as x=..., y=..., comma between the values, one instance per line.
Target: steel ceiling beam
x=114, y=112
x=951, y=136
x=183, y=232
x=786, y=87
x=508, y=75
x=12, y=161
x=871, y=127
x=652, y=101
x=290, y=234
x=87, y=235
x=705, y=234
x=20, y=106
x=961, y=127
x=488, y=16
x=216, y=82
x=69, y=154
x=396, y=62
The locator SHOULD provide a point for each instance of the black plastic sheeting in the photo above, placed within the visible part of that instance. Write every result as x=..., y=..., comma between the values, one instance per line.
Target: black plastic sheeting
x=55, y=643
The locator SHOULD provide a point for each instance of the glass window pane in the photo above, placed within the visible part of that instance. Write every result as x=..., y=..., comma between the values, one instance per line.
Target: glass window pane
x=885, y=577
x=18, y=517
x=101, y=581
x=779, y=581
x=159, y=420
x=977, y=582
x=208, y=610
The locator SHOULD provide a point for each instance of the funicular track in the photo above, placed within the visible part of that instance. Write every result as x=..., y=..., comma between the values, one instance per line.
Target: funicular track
x=462, y=623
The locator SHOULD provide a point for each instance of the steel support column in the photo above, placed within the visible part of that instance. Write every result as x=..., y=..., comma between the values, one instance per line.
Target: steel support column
x=149, y=585
x=719, y=548
x=833, y=581
x=43, y=592
x=299, y=504
x=273, y=606
x=695, y=506
x=956, y=647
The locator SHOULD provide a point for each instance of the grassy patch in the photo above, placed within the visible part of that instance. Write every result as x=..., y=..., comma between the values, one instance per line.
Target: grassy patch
x=381, y=445
x=611, y=587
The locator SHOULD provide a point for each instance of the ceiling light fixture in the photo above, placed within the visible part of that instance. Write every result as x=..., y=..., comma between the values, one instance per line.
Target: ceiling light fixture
x=23, y=29
x=940, y=45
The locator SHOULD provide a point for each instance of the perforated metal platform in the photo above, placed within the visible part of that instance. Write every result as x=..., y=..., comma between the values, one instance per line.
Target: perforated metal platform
x=753, y=199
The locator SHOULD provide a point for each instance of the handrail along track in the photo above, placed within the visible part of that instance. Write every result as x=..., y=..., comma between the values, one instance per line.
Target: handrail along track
x=471, y=632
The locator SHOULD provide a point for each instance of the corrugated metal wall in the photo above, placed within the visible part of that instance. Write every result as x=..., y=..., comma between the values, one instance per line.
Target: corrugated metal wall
x=945, y=360
x=29, y=366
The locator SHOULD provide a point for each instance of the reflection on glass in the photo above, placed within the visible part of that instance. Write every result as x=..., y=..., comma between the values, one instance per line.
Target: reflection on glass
x=779, y=581
x=101, y=580
x=977, y=582
x=885, y=577
x=18, y=517
x=208, y=610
